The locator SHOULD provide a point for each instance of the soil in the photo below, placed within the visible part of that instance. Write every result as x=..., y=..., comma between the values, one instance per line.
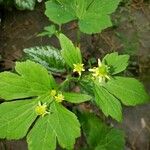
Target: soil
x=130, y=34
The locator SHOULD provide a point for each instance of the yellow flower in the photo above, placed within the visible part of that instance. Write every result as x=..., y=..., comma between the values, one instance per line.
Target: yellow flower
x=41, y=109
x=59, y=98
x=78, y=68
x=101, y=72
x=53, y=93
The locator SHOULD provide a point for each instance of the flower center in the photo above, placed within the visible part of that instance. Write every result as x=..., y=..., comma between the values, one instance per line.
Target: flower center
x=59, y=98
x=53, y=93
x=41, y=109
x=103, y=70
x=78, y=68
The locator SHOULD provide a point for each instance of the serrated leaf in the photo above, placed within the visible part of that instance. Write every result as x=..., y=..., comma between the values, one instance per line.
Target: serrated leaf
x=107, y=103
x=97, y=16
x=129, y=90
x=76, y=97
x=99, y=136
x=91, y=20
x=42, y=136
x=59, y=11
x=117, y=63
x=25, y=4
x=33, y=80
x=61, y=124
x=93, y=15
x=47, y=56
x=33, y=72
x=16, y=118
x=70, y=53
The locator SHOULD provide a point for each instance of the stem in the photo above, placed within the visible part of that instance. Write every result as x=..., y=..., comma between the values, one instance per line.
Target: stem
x=59, y=28
x=78, y=37
x=68, y=80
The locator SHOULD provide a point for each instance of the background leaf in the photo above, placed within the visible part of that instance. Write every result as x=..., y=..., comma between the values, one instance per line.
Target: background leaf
x=107, y=103
x=98, y=135
x=49, y=31
x=114, y=140
x=20, y=4
x=25, y=4
x=89, y=23
x=129, y=90
x=93, y=15
x=117, y=63
x=47, y=56
x=59, y=12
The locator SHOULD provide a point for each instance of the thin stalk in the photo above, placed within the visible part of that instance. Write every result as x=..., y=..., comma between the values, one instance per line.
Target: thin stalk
x=59, y=28
x=78, y=38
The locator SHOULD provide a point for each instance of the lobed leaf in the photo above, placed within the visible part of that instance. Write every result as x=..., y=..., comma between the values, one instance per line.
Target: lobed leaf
x=33, y=80
x=107, y=103
x=42, y=136
x=61, y=124
x=59, y=12
x=93, y=15
x=117, y=63
x=16, y=118
x=89, y=24
x=129, y=90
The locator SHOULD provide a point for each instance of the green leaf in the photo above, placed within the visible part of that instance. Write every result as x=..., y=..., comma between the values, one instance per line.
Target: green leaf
x=98, y=16
x=99, y=136
x=61, y=124
x=86, y=85
x=49, y=31
x=16, y=118
x=129, y=90
x=25, y=4
x=90, y=20
x=33, y=80
x=42, y=136
x=117, y=63
x=59, y=11
x=114, y=140
x=70, y=53
x=93, y=128
x=76, y=97
x=108, y=103
x=47, y=56
x=33, y=72
x=93, y=15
